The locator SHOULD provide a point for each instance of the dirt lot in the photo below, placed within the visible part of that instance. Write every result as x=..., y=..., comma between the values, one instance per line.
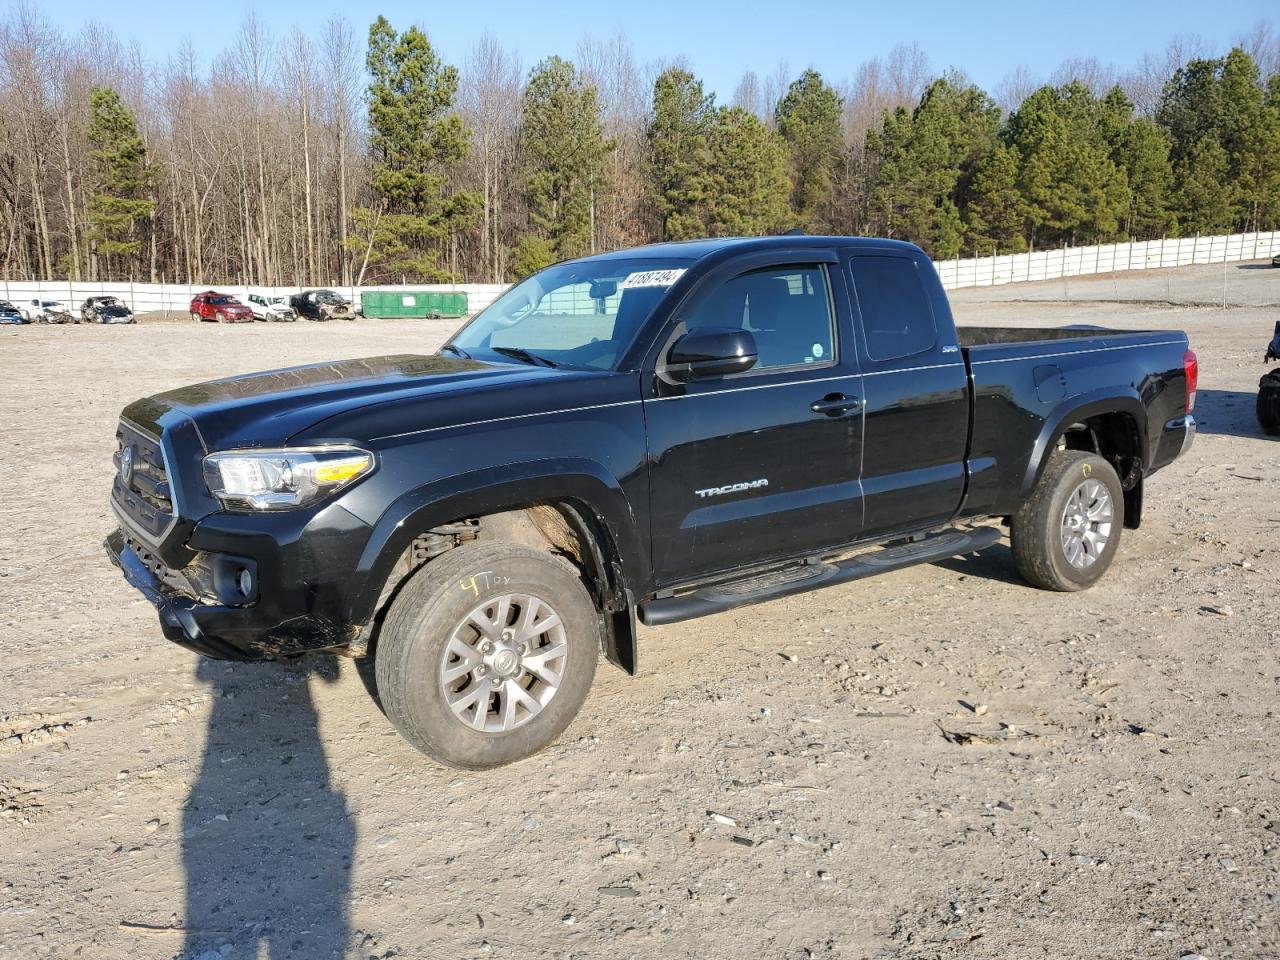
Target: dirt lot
x=1117, y=793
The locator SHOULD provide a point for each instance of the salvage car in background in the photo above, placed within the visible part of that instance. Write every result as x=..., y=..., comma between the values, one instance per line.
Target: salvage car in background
x=270, y=308
x=221, y=307
x=46, y=311
x=11, y=314
x=105, y=309
x=322, y=305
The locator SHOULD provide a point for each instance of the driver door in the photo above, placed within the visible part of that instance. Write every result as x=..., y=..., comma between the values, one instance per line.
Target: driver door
x=763, y=464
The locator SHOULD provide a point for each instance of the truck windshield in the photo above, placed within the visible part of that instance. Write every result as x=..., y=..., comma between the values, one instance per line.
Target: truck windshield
x=578, y=314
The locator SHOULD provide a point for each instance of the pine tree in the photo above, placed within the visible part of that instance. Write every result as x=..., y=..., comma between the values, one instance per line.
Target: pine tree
x=745, y=181
x=1075, y=192
x=1204, y=194
x=926, y=160
x=996, y=214
x=415, y=138
x=120, y=180
x=678, y=137
x=1143, y=153
x=809, y=117
x=1218, y=111
x=565, y=151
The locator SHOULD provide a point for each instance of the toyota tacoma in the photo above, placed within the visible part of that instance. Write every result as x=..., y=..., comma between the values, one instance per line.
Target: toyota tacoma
x=648, y=435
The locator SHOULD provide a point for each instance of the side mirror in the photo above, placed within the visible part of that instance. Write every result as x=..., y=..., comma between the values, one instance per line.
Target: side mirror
x=711, y=352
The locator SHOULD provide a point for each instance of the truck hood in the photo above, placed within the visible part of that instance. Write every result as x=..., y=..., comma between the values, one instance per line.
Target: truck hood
x=266, y=409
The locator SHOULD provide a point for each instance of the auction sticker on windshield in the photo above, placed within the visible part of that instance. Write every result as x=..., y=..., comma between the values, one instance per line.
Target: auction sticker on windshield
x=651, y=278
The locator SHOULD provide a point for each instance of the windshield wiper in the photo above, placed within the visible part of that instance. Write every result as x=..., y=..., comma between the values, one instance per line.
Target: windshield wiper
x=458, y=350
x=524, y=356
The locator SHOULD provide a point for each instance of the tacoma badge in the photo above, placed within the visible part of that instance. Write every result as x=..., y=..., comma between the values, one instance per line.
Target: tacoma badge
x=732, y=488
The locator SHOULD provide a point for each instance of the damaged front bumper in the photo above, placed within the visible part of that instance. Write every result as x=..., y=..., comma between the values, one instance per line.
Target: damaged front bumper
x=204, y=607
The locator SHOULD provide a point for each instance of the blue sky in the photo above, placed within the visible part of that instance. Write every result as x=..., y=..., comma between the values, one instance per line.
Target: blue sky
x=721, y=39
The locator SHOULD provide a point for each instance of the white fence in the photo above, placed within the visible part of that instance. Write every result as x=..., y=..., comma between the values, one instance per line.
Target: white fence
x=1106, y=258
x=978, y=272
x=176, y=297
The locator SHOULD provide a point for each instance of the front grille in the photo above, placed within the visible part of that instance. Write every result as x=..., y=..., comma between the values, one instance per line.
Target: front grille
x=141, y=489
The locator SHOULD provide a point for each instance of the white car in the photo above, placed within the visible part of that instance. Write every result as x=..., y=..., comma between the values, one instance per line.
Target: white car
x=270, y=308
x=46, y=311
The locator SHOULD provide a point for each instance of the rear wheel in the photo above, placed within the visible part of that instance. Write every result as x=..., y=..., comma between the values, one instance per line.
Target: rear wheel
x=1067, y=532
x=487, y=654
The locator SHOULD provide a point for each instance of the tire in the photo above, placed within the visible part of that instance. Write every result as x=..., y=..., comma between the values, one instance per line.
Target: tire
x=1057, y=551
x=1269, y=403
x=428, y=622
x=196, y=317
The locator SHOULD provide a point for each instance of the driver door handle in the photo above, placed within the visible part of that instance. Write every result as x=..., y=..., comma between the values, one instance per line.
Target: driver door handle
x=834, y=404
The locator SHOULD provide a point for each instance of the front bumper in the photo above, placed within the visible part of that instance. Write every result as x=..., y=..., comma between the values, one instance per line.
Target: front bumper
x=201, y=608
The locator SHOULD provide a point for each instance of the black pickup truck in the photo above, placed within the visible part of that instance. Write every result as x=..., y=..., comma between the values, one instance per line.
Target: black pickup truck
x=657, y=434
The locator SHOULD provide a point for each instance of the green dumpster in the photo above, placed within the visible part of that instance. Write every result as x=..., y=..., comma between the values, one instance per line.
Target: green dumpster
x=414, y=303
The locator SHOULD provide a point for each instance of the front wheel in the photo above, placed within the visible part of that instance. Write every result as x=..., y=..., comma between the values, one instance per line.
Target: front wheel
x=487, y=654
x=1065, y=535
x=196, y=318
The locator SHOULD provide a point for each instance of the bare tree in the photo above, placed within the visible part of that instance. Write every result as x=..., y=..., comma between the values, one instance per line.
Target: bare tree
x=490, y=96
x=1262, y=42
x=1089, y=72
x=610, y=65
x=907, y=72
x=1145, y=83
x=342, y=73
x=1015, y=87
x=775, y=88
x=749, y=96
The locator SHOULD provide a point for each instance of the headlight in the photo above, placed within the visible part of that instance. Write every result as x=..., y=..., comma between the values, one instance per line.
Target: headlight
x=246, y=480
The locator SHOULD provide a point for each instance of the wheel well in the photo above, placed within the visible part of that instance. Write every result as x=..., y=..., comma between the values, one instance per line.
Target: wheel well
x=565, y=528
x=1115, y=438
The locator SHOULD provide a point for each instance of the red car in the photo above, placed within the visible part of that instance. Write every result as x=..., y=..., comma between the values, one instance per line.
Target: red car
x=221, y=307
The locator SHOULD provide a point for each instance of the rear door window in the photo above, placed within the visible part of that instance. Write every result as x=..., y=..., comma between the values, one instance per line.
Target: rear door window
x=897, y=320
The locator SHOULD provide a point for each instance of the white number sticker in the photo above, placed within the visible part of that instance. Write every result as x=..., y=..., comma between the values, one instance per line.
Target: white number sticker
x=651, y=278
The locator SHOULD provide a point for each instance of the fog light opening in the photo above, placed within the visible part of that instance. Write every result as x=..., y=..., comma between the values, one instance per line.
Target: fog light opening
x=244, y=582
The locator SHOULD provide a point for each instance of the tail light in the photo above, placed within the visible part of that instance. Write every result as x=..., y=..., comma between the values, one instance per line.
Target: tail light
x=1191, y=366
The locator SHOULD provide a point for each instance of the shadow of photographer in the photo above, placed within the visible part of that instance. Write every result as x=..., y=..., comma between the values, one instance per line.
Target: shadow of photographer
x=267, y=840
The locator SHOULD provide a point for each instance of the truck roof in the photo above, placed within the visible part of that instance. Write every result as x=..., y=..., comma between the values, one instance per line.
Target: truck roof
x=697, y=249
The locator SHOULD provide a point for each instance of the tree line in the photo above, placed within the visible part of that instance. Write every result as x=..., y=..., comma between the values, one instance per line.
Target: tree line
x=362, y=158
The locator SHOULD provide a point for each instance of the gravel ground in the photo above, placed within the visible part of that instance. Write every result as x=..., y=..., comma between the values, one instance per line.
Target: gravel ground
x=941, y=762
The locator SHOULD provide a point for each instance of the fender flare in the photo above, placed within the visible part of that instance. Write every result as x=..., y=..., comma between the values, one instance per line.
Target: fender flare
x=493, y=490
x=1082, y=407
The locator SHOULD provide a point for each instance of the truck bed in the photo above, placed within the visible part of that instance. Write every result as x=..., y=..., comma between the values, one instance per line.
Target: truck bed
x=1025, y=377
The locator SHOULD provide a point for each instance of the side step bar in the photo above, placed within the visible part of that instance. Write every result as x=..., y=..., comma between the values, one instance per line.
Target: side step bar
x=810, y=576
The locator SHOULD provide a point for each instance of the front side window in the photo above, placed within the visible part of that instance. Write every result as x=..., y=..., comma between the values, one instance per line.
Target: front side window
x=897, y=320
x=584, y=313
x=786, y=309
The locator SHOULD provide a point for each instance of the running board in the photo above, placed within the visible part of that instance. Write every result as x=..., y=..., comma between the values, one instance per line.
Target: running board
x=810, y=576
